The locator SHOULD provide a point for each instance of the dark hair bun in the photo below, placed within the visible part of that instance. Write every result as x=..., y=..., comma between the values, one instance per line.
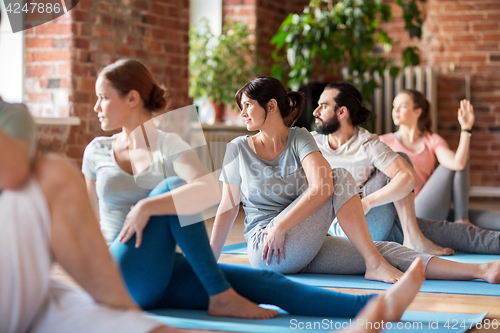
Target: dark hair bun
x=158, y=99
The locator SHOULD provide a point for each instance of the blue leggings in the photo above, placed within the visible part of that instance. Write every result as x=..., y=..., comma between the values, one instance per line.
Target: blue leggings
x=147, y=270
x=157, y=277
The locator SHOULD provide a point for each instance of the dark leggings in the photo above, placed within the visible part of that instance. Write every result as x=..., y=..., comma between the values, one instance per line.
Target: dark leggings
x=157, y=277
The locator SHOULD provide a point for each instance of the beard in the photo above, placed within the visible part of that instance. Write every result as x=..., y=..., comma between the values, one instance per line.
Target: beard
x=328, y=127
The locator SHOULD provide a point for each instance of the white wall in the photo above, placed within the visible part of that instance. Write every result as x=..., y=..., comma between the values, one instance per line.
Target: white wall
x=11, y=61
x=211, y=9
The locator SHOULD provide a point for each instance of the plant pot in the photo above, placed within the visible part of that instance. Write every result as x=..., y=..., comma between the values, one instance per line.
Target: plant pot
x=219, y=108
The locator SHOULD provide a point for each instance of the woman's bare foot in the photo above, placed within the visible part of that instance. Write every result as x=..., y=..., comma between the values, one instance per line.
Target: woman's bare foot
x=397, y=298
x=390, y=305
x=424, y=245
x=491, y=272
x=383, y=272
x=467, y=222
x=230, y=304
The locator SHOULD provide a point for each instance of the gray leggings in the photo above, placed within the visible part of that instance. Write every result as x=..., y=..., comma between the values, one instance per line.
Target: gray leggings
x=308, y=249
x=384, y=226
x=433, y=201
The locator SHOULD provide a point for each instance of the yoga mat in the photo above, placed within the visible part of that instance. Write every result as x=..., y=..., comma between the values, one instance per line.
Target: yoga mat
x=411, y=321
x=468, y=258
x=236, y=248
x=475, y=287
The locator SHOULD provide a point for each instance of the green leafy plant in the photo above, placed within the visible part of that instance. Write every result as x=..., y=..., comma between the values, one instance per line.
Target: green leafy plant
x=343, y=33
x=219, y=66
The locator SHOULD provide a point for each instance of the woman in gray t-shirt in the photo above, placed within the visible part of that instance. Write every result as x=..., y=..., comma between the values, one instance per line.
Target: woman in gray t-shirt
x=291, y=195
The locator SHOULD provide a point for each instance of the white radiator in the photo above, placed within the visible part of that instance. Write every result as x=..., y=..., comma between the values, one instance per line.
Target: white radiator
x=421, y=79
x=217, y=137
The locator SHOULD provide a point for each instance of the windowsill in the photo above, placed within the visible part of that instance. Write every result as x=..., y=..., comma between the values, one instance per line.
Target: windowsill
x=69, y=121
x=224, y=127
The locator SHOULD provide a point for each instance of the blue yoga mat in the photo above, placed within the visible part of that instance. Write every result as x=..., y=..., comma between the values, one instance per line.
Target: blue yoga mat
x=468, y=258
x=476, y=287
x=412, y=321
x=236, y=248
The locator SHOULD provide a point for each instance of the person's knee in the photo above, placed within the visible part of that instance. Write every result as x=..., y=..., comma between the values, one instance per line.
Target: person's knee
x=166, y=185
x=344, y=183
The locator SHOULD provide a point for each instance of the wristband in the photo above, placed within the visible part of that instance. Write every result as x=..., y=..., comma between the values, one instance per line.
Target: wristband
x=467, y=130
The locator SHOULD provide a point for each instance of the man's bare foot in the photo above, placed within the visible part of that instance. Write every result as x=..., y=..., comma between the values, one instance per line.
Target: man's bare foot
x=467, y=222
x=426, y=246
x=230, y=304
x=397, y=298
x=383, y=272
x=491, y=272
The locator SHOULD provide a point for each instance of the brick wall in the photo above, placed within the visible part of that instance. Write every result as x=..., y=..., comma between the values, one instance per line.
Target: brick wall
x=47, y=74
x=460, y=37
x=463, y=38
x=100, y=32
x=240, y=11
x=264, y=18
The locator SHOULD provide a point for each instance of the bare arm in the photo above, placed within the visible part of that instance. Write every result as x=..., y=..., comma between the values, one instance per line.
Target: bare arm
x=403, y=180
x=319, y=176
x=458, y=160
x=226, y=214
x=200, y=192
x=15, y=163
x=91, y=191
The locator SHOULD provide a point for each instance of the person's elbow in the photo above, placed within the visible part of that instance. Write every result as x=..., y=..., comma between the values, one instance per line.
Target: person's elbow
x=412, y=179
x=323, y=189
x=459, y=166
x=15, y=177
x=212, y=188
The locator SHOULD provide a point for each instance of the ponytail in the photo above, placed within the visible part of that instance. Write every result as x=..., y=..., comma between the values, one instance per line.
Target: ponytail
x=295, y=110
x=158, y=98
x=351, y=98
x=265, y=88
x=127, y=74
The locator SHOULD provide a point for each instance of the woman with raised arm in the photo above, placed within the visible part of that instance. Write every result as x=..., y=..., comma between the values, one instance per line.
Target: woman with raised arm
x=144, y=226
x=450, y=180
x=291, y=195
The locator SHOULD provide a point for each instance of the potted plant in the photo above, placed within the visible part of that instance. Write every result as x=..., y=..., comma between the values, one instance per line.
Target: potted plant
x=342, y=33
x=219, y=66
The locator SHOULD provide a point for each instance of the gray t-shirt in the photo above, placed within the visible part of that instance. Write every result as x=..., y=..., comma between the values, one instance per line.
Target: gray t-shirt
x=267, y=187
x=118, y=190
x=360, y=155
x=16, y=121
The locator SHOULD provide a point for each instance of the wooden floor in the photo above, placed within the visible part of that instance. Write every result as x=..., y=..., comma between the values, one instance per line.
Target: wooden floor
x=423, y=302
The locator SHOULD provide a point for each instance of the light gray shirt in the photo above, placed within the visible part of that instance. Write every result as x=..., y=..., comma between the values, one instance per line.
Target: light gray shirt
x=267, y=187
x=118, y=190
x=360, y=155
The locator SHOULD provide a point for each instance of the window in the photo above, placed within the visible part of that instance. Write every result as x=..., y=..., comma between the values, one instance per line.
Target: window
x=11, y=61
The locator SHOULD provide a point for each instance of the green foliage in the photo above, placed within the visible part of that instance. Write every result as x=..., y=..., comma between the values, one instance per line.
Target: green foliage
x=219, y=66
x=343, y=32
